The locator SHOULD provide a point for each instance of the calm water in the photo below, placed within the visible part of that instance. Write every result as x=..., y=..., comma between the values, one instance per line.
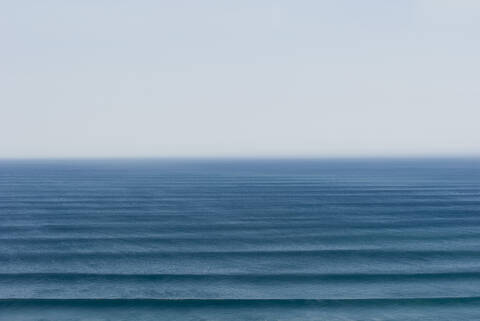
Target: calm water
x=240, y=240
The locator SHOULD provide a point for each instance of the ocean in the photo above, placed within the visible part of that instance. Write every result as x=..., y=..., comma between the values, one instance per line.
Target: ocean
x=264, y=239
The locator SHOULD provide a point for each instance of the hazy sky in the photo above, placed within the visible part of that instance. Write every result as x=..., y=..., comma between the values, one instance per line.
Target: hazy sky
x=113, y=78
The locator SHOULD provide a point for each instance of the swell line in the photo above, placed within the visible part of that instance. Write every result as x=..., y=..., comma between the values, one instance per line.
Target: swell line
x=298, y=277
x=348, y=253
x=236, y=303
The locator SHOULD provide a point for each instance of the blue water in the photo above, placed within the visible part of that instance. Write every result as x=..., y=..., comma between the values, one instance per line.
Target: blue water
x=240, y=240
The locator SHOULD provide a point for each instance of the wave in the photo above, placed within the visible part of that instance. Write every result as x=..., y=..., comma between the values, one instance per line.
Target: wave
x=327, y=254
x=292, y=277
x=324, y=237
x=199, y=227
x=238, y=303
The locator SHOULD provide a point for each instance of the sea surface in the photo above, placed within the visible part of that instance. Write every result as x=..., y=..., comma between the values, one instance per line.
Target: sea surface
x=371, y=239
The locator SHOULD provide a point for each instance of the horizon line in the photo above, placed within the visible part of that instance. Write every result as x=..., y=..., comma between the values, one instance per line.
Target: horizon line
x=248, y=157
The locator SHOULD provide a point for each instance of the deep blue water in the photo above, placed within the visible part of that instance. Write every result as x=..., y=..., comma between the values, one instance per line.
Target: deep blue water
x=240, y=240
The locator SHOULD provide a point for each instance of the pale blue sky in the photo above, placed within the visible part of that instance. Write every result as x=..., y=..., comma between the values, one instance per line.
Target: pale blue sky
x=239, y=78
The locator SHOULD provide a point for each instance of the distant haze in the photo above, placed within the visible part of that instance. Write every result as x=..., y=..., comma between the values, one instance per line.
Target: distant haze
x=209, y=78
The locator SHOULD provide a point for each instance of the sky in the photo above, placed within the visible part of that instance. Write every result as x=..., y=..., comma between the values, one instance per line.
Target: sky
x=305, y=78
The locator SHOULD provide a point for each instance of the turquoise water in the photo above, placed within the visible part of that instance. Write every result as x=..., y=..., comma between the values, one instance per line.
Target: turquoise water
x=240, y=240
